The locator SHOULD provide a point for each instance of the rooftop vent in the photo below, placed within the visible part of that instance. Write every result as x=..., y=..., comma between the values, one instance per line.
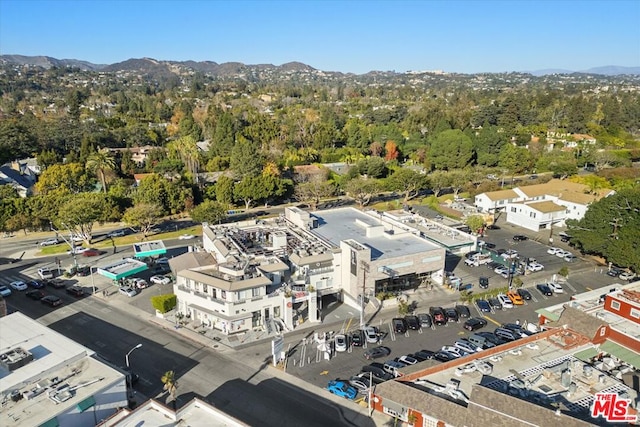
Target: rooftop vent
x=15, y=358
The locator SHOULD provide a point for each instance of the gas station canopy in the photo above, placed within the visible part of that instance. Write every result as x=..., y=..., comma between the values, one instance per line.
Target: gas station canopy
x=147, y=249
x=121, y=269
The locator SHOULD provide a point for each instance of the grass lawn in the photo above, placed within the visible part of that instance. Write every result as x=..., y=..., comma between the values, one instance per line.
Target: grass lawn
x=105, y=243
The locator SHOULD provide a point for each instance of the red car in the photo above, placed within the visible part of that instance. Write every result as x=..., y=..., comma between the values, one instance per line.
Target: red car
x=91, y=252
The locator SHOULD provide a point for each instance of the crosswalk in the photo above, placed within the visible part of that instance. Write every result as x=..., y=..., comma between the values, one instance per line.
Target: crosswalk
x=24, y=275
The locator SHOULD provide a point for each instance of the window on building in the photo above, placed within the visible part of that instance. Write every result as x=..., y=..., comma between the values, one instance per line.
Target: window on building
x=223, y=295
x=429, y=422
x=532, y=214
x=635, y=313
x=513, y=209
x=214, y=293
x=255, y=292
x=615, y=305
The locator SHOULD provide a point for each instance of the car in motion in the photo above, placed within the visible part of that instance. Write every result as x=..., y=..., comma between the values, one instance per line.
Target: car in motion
x=128, y=291
x=76, y=291
x=520, y=238
x=35, y=294
x=51, y=300
x=116, y=233
x=91, y=252
x=160, y=280
x=342, y=389
x=36, y=284
x=377, y=352
x=186, y=237
x=50, y=242
x=474, y=324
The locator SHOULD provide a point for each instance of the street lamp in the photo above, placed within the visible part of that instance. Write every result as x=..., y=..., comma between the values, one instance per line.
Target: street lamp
x=129, y=377
x=126, y=358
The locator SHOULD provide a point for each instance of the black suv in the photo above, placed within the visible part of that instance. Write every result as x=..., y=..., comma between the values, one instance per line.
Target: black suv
x=399, y=325
x=484, y=282
x=463, y=311
x=412, y=322
x=520, y=238
x=452, y=314
x=357, y=338
x=438, y=316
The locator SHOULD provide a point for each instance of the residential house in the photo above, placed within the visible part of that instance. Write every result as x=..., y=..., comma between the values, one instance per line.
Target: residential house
x=535, y=215
x=18, y=175
x=495, y=201
x=138, y=154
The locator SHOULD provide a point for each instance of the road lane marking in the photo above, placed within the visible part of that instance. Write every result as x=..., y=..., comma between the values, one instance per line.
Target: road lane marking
x=588, y=288
x=491, y=320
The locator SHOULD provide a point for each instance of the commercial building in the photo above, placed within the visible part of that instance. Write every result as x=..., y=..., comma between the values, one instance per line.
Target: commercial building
x=276, y=273
x=49, y=380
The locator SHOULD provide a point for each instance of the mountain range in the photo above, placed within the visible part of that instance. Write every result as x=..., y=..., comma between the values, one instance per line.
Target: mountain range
x=233, y=68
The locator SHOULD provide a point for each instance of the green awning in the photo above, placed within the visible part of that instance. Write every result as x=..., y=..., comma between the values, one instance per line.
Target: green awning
x=621, y=352
x=587, y=354
x=548, y=315
x=86, y=403
x=53, y=422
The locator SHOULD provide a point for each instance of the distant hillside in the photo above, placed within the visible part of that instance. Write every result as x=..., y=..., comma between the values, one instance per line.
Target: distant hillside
x=168, y=67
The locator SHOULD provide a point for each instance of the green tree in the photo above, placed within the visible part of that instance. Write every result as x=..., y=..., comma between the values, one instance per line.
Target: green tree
x=224, y=190
x=611, y=228
x=361, y=190
x=47, y=158
x=439, y=180
x=209, y=211
x=170, y=385
x=70, y=178
x=474, y=222
x=143, y=216
x=81, y=211
x=451, y=149
x=246, y=159
x=407, y=182
x=155, y=189
x=459, y=178
x=249, y=189
x=101, y=161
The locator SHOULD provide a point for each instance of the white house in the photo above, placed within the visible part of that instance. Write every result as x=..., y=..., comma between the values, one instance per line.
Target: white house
x=535, y=215
x=494, y=201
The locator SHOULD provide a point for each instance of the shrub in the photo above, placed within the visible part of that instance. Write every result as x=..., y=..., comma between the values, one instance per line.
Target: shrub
x=164, y=303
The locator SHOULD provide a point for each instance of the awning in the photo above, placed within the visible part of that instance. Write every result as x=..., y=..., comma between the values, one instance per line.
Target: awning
x=53, y=422
x=623, y=353
x=86, y=403
x=587, y=354
x=548, y=315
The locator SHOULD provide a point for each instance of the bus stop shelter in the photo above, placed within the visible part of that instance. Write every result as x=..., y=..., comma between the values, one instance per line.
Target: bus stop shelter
x=149, y=249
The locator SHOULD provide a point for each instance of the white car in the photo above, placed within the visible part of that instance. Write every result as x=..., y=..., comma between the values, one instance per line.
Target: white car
x=76, y=238
x=534, y=266
x=186, y=237
x=4, y=291
x=50, y=242
x=556, y=288
x=128, y=291
x=562, y=253
x=18, y=285
x=340, y=341
x=45, y=273
x=464, y=347
x=371, y=334
x=509, y=254
x=505, y=301
x=457, y=352
x=77, y=250
x=626, y=275
x=570, y=258
x=140, y=283
x=160, y=280
x=162, y=260
x=554, y=250
x=407, y=360
x=116, y=233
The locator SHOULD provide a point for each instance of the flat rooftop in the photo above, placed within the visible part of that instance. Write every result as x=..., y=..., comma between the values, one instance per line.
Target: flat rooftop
x=535, y=371
x=57, y=361
x=340, y=224
x=155, y=247
x=125, y=267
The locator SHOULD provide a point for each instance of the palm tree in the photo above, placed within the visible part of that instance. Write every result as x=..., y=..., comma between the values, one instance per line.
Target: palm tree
x=170, y=385
x=101, y=161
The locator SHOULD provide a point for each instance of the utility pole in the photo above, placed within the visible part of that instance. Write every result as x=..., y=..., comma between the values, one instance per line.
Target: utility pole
x=69, y=242
x=365, y=269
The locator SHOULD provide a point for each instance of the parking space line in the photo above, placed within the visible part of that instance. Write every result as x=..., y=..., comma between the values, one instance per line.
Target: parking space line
x=491, y=320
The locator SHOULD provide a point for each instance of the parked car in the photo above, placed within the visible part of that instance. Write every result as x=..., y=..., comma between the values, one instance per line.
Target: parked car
x=412, y=322
x=91, y=252
x=515, y=297
x=50, y=242
x=83, y=271
x=495, y=303
x=342, y=389
x=423, y=355
x=463, y=311
x=510, y=254
x=626, y=275
x=454, y=350
x=444, y=356
x=407, y=360
x=361, y=383
x=505, y=301
x=372, y=335
x=425, y=320
x=493, y=227
x=76, y=291
x=56, y=283
x=483, y=282
x=341, y=342
x=525, y=294
x=613, y=272
x=555, y=288
x=562, y=253
x=501, y=269
x=553, y=250
x=493, y=265
x=357, y=338
x=471, y=254
x=438, y=316
x=483, y=306
x=506, y=334
x=399, y=325
x=465, y=346
x=35, y=294
x=139, y=283
x=51, y=300
x=45, y=273
x=570, y=257
x=128, y=291
x=535, y=266
x=452, y=314
x=160, y=280
x=489, y=245
x=474, y=323
x=520, y=238
x=18, y=285
x=544, y=289
x=377, y=352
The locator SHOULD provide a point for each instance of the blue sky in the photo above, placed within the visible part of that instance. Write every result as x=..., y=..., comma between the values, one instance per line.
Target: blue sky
x=348, y=36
